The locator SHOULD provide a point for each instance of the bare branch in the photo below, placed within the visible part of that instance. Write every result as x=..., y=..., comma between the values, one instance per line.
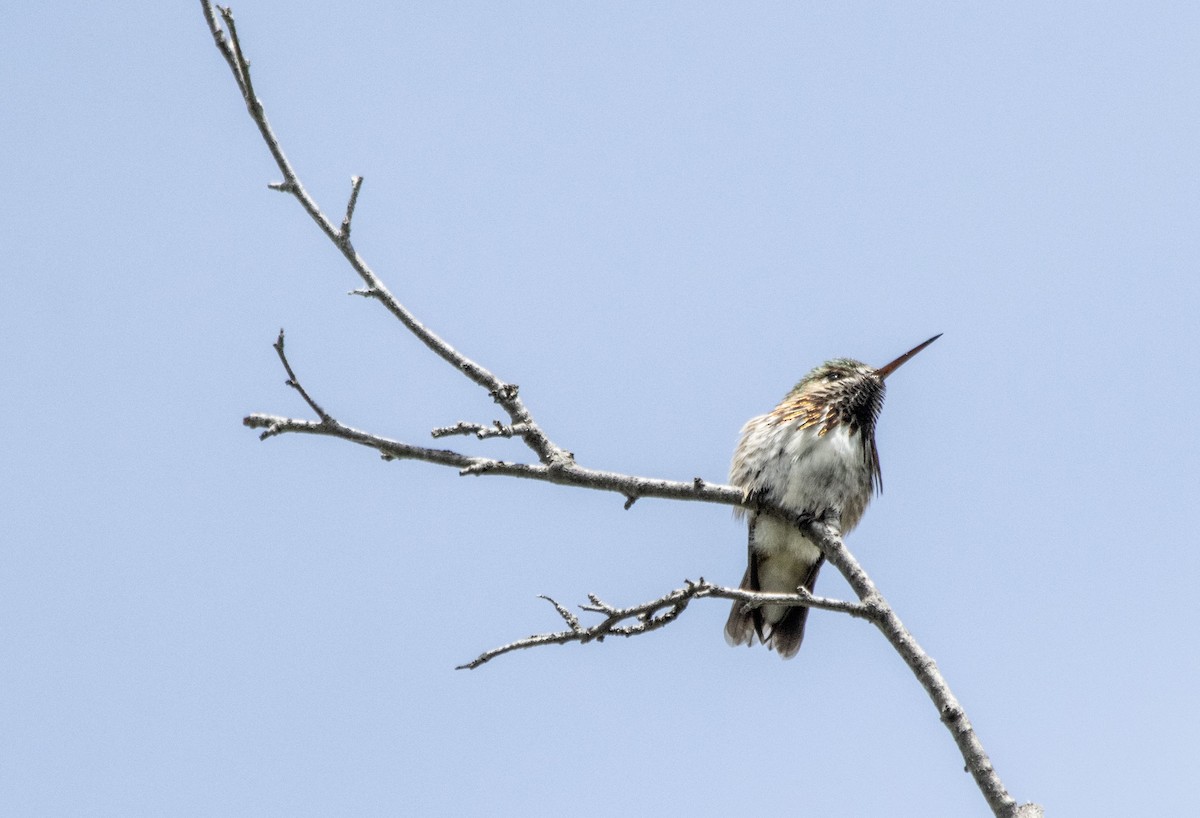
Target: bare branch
x=218, y=33
x=675, y=601
x=481, y=431
x=829, y=540
x=650, y=616
x=294, y=382
x=568, y=474
x=239, y=59
x=355, y=186
x=571, y=619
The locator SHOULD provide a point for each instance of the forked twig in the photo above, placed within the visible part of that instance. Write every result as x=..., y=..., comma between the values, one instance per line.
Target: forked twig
x=655, y=614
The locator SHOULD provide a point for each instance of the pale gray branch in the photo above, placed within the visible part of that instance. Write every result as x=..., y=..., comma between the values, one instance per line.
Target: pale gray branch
x=480, y=430
x=294, y=382
x=355, y=186
x=657, y=613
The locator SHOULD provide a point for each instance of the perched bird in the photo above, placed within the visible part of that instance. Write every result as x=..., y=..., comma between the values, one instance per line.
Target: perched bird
x=814, y=453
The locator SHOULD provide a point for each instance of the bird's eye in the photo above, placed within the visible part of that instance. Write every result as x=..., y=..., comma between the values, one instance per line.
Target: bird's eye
x=834, y=376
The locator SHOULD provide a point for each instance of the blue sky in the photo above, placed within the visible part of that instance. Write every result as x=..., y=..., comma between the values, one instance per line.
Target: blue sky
x=654, y=218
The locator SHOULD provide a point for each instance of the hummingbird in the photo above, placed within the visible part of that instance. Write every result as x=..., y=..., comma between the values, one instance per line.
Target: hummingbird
x=812, y=454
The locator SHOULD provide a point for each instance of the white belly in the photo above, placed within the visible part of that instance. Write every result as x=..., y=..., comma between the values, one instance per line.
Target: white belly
x=808, y=472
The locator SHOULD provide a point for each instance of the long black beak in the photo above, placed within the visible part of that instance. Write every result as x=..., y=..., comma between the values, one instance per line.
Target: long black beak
x=888, y=369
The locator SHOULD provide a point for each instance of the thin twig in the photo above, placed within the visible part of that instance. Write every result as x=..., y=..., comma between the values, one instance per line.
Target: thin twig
x=355, y=186
x=294, y=382
x=243, y=65
x=571, y=619
x=647, y=615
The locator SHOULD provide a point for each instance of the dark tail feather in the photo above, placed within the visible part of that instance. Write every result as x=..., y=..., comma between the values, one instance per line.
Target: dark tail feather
x=742, y=625
x=784, y=636
x=787, y=634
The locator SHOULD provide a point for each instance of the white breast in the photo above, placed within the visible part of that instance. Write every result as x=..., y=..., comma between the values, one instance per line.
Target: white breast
x=804, y=470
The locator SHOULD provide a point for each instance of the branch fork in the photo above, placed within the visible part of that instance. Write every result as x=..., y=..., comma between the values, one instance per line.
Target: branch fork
x=655, y=614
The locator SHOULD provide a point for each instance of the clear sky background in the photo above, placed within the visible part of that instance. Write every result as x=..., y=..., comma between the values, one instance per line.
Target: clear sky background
x=654, y=217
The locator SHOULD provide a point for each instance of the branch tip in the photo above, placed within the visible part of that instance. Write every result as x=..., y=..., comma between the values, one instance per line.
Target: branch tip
x=355, y=186
x=571, y=619
x=294, y=383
